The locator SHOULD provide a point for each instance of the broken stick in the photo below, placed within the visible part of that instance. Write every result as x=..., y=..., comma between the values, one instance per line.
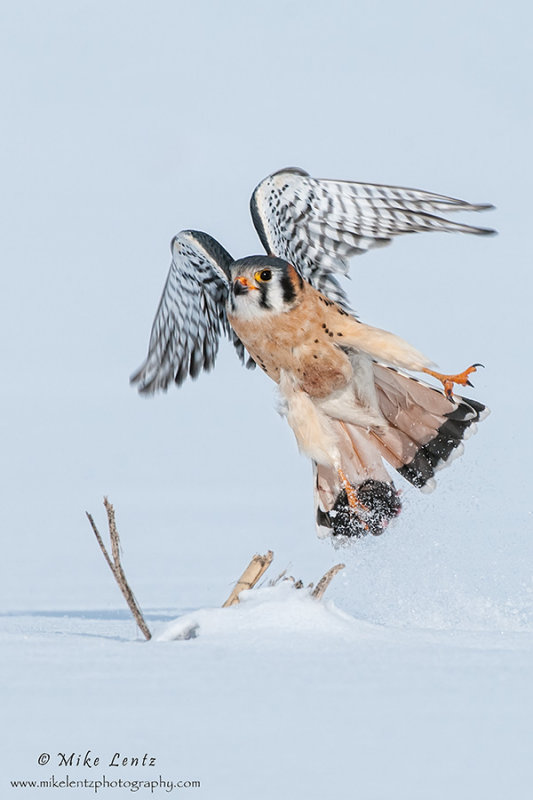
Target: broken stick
x=325, y=581
x=116, y=567
x=255, y=569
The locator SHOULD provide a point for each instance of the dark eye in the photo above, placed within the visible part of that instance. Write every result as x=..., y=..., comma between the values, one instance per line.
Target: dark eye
x=263, y=276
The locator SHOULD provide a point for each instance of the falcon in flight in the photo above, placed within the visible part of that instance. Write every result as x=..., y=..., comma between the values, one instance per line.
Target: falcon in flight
x=346, y=387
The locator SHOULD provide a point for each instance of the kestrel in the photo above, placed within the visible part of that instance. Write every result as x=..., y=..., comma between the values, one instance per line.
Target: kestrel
x=345, y=386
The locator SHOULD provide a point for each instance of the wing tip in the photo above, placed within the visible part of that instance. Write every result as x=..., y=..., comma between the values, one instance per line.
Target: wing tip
x=148, y=384
x=135, y=377
x=483, y=231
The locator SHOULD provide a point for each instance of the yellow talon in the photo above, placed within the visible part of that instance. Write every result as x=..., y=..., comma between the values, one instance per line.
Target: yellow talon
x=351, y=493
x=448, y=381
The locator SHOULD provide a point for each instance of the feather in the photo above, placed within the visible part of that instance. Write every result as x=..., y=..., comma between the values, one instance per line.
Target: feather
x=319, y=224
x=191, y=314
x=425, y=433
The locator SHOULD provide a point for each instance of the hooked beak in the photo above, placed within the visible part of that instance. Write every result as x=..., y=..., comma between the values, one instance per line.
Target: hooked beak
x=241, y=285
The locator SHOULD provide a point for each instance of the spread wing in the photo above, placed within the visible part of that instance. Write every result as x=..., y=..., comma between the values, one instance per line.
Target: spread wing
x=191, y=314
x=318, y=225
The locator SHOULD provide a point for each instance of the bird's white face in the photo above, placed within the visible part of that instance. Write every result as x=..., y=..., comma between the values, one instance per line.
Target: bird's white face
x=262, y=285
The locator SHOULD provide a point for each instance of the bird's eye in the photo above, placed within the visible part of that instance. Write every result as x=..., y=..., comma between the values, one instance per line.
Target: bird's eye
x=263, y=275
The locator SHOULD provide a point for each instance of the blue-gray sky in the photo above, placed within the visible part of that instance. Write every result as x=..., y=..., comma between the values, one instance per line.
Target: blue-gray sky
x=124, y=122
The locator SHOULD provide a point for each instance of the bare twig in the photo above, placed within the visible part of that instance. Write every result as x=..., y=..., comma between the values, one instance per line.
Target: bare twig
x=274, y=581
x=325, y=580
x=100, y=542
x=116, y=567
x=113, y=533
x=249, y=578
x=255, y=569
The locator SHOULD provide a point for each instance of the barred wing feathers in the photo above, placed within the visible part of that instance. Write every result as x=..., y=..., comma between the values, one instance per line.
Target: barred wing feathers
x=191, y=314
x=318, y=225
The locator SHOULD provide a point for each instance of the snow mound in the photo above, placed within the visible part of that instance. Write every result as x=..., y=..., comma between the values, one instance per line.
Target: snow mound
x=266, y=612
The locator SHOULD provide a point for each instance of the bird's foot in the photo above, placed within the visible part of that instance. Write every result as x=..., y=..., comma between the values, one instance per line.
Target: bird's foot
x=356, y=508
x=448, y=381
x=351, y=493
x=367, y=509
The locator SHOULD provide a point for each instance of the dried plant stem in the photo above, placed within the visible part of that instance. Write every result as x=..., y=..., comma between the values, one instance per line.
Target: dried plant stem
x=255, y=569
x=116, y=567
x=325, y=581
x=275, y=581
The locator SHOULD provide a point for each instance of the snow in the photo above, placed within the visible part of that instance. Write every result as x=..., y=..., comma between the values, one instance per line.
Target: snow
x=277, y=611
x=124, y=123
x=283, y=694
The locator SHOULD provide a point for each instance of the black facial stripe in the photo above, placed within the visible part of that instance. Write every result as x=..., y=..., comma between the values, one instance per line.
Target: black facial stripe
x=288, y=289
x=263, y=296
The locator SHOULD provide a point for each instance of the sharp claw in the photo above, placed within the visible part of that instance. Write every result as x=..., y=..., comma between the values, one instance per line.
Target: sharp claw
x=448, y=381
x=351, y=494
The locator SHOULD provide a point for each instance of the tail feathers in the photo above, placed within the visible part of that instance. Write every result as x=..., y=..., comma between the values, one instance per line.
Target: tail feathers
x=426, y=430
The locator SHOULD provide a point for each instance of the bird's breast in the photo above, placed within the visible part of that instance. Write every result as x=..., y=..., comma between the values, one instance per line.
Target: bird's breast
x=299, y=343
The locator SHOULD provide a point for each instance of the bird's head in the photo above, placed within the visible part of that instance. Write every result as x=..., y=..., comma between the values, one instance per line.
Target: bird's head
x=262, y=284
